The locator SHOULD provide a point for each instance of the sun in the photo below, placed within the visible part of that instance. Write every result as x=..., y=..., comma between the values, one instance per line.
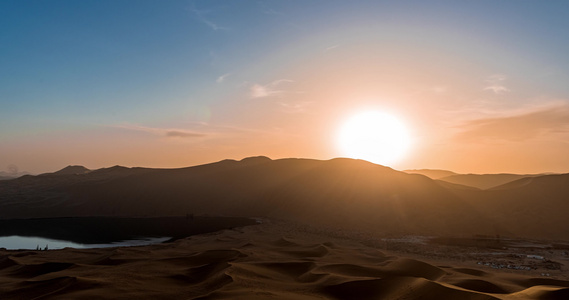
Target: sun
x=374, y=136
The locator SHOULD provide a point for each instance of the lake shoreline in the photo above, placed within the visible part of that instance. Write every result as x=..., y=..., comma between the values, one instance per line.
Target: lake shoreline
x=107, y=230
x=275, y=259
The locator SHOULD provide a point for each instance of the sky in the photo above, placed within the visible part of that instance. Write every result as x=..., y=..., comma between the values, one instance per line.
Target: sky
x=481, y=86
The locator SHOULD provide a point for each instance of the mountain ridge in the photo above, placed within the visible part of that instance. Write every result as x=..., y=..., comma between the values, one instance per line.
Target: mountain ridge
x=337, y=193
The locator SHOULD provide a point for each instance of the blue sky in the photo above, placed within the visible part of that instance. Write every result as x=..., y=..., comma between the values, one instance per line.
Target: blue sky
x=177, y=83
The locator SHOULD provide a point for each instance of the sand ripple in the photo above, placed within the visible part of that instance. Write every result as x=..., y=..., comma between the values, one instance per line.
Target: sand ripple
x=260, y=262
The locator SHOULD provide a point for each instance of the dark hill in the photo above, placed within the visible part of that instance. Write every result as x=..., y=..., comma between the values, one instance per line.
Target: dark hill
x=337, y=193
x=531, y=206
x=72, y=170
x=341, y=193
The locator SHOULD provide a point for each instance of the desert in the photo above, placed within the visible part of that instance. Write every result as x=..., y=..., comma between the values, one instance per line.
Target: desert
x=277, y=260
x=371, y=237
x=262, y=149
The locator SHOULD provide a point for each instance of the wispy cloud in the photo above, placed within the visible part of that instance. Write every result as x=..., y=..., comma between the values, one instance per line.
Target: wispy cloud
x=183, y=134
x=204, y=130
x=536, y=122
x=261, y=91
x=202, y=16
x=221, y=78
x=295, y=107
x=270, y=11
x=497, y=89
x=169, y=133
x=495, y=83
x=439, y=89
x=331, y=48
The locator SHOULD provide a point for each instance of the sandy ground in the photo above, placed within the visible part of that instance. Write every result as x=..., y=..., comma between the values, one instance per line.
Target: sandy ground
x=279, y=260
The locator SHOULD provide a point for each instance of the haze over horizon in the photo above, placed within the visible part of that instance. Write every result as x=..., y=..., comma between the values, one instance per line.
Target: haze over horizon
x=80, y=169
x=481, y=87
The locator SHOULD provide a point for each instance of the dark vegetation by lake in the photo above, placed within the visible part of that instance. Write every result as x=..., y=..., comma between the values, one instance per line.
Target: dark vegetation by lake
x=106, y=230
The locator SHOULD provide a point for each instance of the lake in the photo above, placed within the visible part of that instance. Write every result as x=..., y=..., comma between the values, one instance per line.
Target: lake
x=97, y=232
x=16, y=242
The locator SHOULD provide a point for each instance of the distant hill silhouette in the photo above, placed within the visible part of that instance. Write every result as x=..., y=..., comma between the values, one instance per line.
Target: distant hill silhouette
x=431, y=173
x=255, y=160
x=72, y=170
x=483, y=181
x=11, y=175
x=531, y=206
x=337, y=193
x=454, y=185
x=478, y=181
x=514, y=184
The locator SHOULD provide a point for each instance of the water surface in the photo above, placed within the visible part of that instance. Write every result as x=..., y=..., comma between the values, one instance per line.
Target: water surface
x=97, y=232
x=16, y=242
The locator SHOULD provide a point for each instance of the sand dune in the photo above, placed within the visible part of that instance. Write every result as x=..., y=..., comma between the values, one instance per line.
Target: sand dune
x=347, y=229
x=274, y=260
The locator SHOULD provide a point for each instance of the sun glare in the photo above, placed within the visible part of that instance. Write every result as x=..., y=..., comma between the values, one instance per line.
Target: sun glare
x=374, y=136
